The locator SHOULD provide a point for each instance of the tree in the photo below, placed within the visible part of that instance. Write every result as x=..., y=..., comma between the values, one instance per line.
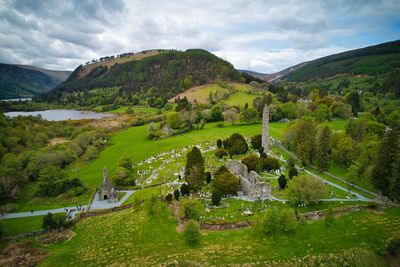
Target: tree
x=256, y=141
x=125, y=162
x=248, y=115
x=216, y=113
x=236, y=144
x=276, y=221
x=225, y=182
x=54, y=221
x=385, y=173
x=282, y=181
x=292, y=172
x=191, y=233
x=231, y=115
x=215, y=197
x=119, y=175
x=153, y=131
x=353, y=98
x=219, y=143
x=194, y=171
x=343, y=151
x=220, y=153
x=306, y=189
x=185, y=190
x=174, y=120
x=189, y=208
x=169, y=197
x=322, y=148
x=208, y=177
x=253, y=163
x=291, y=162
x=48, y=179
x=322, y=113
x=270, y=164
x=176, y=194
x=304, y=140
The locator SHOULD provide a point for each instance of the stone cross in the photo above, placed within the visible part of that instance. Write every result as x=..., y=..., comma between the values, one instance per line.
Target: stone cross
x=265, y=129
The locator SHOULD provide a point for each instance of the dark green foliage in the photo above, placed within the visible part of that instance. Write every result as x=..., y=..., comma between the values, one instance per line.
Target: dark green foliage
x=270, y=164
x=220, y=153
x=176, y=194
x=248, y=115
x=393, y=248
x=253, y=163
x=208, y=177
x=282, y=181
x=121, y=177
x=185, y=190
x=54, y=221
x=125, y=162
x=385, y=175
x=256, y=141
x=216, y=197
x=219, y=143
x=353, y=99
x=154, y=207
x=291, y=162
x=182, y=104
x=169, y=197
x=216, y=113
x=225, y=182
x=322, y=148
x=194, y=171
x=277, y=221
x=236, y=144
x=292, y=172
x=191, y=233
x=371, y=60
x=160, y=76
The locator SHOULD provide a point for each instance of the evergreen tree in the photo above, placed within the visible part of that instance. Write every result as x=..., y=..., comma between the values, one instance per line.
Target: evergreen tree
x=194, y=171
x=304, y=140
x=322, y=148
x=388, y=154
x=282, y=181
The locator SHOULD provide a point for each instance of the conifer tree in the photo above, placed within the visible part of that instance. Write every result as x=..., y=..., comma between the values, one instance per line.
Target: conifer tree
x=194, y=171
x=322, y=148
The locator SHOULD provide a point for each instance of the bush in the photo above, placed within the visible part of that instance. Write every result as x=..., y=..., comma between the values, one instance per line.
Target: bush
x=290, y=163
x=185, y=190
x=208, y=177
x=220, y=125
x=220, y=153
x=169, y=197
x=219, y=143
x=226, y=183
x=292, y=172
x=216, y=197
x=154, y=207
x=189, y=208
x=253, y=163
x=125, y=162
x=176, y=194
x=256, y=141
x=270, y=164
x=393, y=247
x=236, y=144
x=276, y=221
x=191, y=233
x=119, y=176
x=54, y=221
x=282, y=181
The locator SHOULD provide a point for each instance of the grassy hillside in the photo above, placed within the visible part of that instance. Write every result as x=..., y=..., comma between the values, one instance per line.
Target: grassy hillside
x=161, y=75
x=27, y=81
x=372, y=60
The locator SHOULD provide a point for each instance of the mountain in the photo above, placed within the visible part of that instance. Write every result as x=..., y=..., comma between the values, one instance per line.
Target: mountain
x=371, y=60
x=258, y=75
x=18, y=81
x=149, y=74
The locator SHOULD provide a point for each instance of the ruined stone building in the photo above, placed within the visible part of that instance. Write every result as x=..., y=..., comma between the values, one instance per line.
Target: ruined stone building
x=265, y=129
x=107, y=191
x=250, y=182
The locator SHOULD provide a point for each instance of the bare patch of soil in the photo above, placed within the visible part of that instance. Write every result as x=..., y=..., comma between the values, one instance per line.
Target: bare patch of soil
x=58, y=140
x=56, y=237
x=21, y=254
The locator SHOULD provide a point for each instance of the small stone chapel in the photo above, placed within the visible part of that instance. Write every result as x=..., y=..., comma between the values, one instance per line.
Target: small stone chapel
x=107, y=191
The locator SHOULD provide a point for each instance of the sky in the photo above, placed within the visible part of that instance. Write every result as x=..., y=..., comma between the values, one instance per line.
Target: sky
x=265, y=36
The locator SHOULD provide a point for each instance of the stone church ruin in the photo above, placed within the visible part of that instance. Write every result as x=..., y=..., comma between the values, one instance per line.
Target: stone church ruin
x=107, y=191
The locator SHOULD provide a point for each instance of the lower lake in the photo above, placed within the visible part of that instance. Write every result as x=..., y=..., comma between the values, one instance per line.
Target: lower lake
x=60, y=114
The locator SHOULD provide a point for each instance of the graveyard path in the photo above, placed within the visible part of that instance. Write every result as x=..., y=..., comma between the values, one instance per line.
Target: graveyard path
x=36, y=213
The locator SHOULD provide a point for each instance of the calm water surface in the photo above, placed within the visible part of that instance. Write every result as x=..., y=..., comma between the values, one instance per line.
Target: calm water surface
x=60, y=114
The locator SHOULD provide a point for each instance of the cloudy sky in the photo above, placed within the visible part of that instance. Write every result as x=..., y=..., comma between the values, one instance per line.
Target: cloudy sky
x=265, y=36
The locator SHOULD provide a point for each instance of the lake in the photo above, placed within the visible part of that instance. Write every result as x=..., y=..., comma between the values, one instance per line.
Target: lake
x=60, y=114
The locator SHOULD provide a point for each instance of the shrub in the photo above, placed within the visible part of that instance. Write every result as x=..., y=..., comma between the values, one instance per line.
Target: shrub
x=125, y=162
x=185, y=190
x=282, y=181
x=220, y=153
x=256, y=141
x=189, y=208
x=290, y=163
x=226, y=183
x=154, y=207
x=220, y=125
x=253, y=163
x=236, y=144
x=216, y=197
x=119, y=176
x=169, y=197
x=208, y=177
x=276, y=221
x=54, y=221
x=219, y=143
x=292, y=172
x=393, y=247
x=270, y=164
x=176, y=194
x=191, y=233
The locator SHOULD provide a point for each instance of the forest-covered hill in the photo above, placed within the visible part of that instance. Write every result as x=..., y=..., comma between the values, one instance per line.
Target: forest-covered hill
x=27, y=81
x=162, y=75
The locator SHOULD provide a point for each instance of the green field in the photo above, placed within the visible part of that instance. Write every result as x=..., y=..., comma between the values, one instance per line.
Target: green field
x=240, y=99
x=21, y=225
x=136, y=109
x=129, y=236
